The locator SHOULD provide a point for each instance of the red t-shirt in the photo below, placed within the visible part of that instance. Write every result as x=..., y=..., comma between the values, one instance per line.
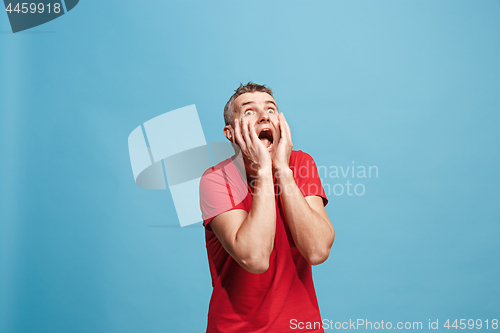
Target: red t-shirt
x=267, y=302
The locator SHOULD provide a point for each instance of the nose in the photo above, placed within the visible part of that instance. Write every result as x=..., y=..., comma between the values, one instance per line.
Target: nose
x=264, y=117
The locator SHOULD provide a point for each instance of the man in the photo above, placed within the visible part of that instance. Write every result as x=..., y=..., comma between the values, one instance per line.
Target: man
x=265, y=222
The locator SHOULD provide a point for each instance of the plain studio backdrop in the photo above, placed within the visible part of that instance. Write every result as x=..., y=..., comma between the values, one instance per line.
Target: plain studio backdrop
x=410, y=87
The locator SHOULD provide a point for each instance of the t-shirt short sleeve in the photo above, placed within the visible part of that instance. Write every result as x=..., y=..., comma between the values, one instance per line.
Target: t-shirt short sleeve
x=306, y=175
x=221, y=190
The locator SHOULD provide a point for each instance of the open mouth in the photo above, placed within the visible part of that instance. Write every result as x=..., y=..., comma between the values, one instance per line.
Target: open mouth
x=266, y=137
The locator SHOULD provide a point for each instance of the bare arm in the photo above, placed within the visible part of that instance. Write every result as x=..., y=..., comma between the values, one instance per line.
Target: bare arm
x=309, y=224
x=249, y=238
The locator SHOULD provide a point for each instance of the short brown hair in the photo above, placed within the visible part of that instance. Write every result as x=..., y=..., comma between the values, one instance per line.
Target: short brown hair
x=250, y=87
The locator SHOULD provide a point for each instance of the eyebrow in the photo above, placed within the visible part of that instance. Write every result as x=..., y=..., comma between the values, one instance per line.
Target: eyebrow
x=267, y=102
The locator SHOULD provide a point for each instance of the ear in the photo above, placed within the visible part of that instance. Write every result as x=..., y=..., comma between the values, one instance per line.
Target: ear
x=228, y=133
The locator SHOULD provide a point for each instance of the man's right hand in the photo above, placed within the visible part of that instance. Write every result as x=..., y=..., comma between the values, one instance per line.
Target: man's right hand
x=249, y=237
x=254, y=152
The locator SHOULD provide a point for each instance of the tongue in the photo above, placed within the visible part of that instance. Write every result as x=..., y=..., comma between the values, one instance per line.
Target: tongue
x=266, y=142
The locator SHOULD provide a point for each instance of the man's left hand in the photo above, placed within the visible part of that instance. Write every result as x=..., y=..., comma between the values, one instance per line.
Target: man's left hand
x=281, y=161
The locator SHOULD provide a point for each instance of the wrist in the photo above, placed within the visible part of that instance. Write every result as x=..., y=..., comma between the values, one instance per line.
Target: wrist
x=262, y=183
x=283, y=173
x=257, y=170
x=264, y=173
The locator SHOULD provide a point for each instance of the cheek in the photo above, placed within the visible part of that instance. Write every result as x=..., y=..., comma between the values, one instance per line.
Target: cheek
x=278, y=135
x=277, y=131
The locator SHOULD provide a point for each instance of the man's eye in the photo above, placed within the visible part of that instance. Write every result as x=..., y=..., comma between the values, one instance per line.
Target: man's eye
x=270, y=111
x=248, y=112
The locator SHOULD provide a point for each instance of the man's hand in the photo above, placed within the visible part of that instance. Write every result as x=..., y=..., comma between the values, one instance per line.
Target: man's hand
x=249, y=237
x=309, y=224
x=281, y=159
x=253, y=150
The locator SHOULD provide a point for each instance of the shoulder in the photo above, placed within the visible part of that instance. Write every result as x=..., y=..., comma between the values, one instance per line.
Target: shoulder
x=303, y=166
x=216, y=174
x=298, y=157
x=221, y=190
x=305, y=173
x=221, y=181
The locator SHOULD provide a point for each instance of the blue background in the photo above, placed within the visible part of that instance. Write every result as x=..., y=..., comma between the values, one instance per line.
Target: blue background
x=411, y=87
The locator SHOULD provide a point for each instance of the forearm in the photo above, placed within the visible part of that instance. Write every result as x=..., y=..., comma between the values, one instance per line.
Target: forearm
x=313, y=234
x=255, y=237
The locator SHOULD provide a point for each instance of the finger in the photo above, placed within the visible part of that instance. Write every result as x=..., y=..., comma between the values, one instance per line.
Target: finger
x=253, y=133
x=233, y=136
x=286, y=127
x=246, y=137
x=238, y=136
x=282, y=127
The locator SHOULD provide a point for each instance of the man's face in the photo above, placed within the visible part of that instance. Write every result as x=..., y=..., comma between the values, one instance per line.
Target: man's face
x=260, y=108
